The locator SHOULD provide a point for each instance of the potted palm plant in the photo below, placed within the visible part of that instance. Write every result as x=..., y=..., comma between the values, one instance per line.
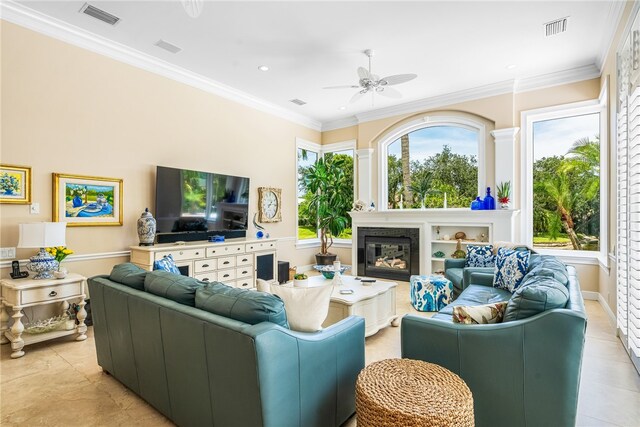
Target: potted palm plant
x=331, y=200
x=504, y=194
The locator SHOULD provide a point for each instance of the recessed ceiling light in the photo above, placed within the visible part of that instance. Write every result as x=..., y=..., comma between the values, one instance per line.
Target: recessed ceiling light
x=342, y=107
x=263, y=68
x=510, y=66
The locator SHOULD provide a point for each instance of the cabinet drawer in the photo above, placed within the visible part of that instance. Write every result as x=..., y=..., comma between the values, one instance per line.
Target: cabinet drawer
x=182, y=254
x=207, y=277
x=224, y=250
x=245, y=271
x=226, y=276
x=246, y=283
x=226, y=262
x=205, y=265
x=31, y=296
x=246, y=259
x=260, y=246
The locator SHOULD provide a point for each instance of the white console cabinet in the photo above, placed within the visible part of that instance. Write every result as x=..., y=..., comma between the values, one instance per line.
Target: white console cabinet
x=236, y=262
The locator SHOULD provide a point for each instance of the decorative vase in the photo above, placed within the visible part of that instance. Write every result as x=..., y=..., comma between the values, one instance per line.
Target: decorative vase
x=60, y=273
x=489, y=203
x=146, y=228
x=77, y=201
x=43, y=264
x=337, y=276
x=477, y=204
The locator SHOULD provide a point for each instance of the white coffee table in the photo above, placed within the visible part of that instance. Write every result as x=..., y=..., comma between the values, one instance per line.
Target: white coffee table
x=376, y=302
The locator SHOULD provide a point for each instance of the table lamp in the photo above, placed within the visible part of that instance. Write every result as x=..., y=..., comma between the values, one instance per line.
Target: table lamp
x=42, y=235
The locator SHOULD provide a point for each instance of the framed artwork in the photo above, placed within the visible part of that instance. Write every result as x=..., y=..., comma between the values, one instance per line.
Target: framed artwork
x=87, y=200
x=15, y=184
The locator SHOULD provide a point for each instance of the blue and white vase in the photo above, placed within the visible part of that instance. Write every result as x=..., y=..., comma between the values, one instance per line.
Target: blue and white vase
x=146, y=228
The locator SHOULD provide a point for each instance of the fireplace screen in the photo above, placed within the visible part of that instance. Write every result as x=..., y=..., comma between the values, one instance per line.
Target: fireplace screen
x=387, y=254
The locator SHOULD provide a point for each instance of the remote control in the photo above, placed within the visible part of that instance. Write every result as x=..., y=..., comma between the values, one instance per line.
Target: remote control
x=368, y=280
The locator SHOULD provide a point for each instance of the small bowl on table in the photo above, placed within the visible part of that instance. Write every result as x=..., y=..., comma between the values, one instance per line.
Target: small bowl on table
x=328, y=272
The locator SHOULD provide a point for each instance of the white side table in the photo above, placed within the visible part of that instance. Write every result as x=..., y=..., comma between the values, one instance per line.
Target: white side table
x=18, y=294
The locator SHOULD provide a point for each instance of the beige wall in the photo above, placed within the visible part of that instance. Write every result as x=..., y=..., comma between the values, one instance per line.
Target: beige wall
x=65, y=109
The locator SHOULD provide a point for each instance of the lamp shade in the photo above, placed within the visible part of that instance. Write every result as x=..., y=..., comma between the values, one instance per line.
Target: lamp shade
x=42, y=234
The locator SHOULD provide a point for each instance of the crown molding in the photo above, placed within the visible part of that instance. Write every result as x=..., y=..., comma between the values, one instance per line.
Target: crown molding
x=572, y=75
x=344, y=122
x=614, y=16
x=19, y=14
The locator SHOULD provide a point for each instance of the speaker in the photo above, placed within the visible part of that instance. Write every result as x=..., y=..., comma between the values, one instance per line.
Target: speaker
x=283, y=271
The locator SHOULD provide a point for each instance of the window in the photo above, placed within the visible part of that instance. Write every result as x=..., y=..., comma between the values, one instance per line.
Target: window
x=434, y=165
x=564, y=183
x=307, y=155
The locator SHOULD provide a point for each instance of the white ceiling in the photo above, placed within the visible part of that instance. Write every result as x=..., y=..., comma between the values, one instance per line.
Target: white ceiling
x=451, y=46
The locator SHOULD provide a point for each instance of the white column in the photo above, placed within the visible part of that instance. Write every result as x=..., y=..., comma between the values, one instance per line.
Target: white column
x=505, y=159
x=365, y=157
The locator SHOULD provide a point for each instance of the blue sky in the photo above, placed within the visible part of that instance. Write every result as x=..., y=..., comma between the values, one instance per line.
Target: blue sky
x=555, y=137
x=426, y=142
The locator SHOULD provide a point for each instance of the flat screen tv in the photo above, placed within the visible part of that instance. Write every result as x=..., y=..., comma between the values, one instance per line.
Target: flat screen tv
x=193, y=205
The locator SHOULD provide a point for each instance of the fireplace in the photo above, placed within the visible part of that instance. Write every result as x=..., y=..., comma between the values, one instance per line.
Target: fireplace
x=388, y=253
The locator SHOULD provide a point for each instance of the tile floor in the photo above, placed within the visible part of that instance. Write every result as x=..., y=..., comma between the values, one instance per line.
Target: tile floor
x=59, y=383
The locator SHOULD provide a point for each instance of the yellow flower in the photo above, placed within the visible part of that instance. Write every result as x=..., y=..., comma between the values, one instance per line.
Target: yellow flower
x=67, y=251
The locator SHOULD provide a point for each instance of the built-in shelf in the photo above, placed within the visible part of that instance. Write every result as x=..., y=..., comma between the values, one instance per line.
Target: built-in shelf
x=480, y=232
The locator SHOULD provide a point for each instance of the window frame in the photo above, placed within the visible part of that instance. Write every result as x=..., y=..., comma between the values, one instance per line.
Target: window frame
x=323, y=149
x=528, y=118
x=423, y=123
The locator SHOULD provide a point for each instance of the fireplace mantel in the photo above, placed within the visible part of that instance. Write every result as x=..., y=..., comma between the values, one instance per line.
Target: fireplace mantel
x=500, y=223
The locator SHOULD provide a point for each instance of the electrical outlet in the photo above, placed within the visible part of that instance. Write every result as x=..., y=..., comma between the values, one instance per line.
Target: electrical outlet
x=34, y=208
x=7, y=253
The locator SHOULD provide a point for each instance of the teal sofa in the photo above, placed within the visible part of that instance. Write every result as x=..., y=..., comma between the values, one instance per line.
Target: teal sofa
x=522, y=372
x=204, y=369
x=459, y=275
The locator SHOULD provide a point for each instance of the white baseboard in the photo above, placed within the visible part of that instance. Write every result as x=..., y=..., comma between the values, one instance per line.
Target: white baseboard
x=597, y=296
x=607, y=309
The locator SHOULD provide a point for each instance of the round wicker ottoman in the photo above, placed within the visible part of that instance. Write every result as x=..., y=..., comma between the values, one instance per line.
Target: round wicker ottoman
x=405, y=392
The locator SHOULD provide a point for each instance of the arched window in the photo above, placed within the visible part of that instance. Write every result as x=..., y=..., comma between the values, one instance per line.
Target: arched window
x=434, y=162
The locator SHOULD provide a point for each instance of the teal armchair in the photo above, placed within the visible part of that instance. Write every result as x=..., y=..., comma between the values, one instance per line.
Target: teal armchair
x=521, y=373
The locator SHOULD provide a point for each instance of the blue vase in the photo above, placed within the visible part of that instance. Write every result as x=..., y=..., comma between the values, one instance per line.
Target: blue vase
x=489, y=203
x=77, y=202
x=477, y=204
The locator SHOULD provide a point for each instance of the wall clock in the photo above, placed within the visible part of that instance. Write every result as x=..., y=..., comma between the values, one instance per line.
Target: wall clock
x=270, y=204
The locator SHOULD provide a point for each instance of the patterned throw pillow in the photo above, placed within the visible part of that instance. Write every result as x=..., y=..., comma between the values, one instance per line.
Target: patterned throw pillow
x=479, y=256
x=479, y=314
x=167, y=264
x=511, y=266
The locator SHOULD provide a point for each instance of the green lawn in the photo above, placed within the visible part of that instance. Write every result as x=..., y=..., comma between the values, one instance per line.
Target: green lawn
x=310, y=233
x=542, y=238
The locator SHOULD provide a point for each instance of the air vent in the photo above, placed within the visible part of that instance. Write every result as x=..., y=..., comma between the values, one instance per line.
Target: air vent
x=168, y=46
x=556, y=27
x=100, y=14
x=297, y=101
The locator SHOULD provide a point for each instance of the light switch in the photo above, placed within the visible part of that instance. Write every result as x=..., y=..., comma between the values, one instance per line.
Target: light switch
x=7, y=253
x=35, y=208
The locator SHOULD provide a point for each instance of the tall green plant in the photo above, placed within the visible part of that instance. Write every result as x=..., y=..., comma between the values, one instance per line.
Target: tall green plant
x=332, y=193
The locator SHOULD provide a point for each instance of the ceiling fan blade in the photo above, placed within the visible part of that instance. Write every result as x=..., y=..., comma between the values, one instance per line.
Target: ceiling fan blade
x=375, y=77
x=363, y=73
x=397, y=79
x=390, y=92
x=357, y=96
x=342, y=87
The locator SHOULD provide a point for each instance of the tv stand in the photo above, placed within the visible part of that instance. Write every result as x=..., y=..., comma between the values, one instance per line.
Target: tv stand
x=234, y=262
x=194, y=236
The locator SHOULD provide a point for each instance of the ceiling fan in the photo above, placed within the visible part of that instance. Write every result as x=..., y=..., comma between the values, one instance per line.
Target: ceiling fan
x=369, y=82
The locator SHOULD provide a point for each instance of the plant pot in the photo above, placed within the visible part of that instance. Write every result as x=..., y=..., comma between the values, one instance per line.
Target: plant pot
x=504, y=206
x=301, y=283
x=61, y=273
x=325, y=259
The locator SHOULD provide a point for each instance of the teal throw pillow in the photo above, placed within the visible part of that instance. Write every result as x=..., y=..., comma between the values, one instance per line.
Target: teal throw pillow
x=479, y=256
x=172, y=286
x=166, y=264
x=511, y=266
x=241, y=304
x=129, y=274
x=537, y=294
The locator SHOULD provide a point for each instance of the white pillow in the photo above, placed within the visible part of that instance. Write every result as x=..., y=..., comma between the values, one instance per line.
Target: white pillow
x=263, y=286
x=306, y=308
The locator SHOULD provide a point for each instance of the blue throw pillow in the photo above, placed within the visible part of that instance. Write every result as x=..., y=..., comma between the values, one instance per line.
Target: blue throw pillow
x=479, y=256
x=511, y=266
x=166, y=264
